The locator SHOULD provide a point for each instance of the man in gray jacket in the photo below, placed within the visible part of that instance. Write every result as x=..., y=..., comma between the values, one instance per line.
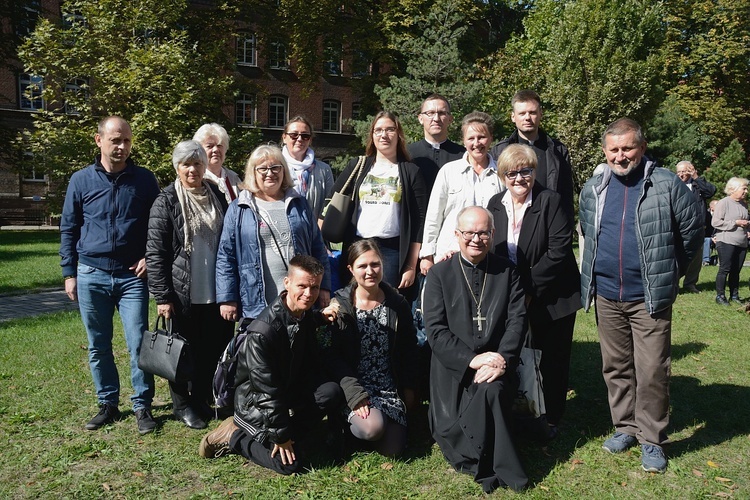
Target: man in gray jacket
x=642, y=227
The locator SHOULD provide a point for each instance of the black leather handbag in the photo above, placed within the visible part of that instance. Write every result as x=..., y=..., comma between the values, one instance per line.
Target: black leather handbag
x=165, y=353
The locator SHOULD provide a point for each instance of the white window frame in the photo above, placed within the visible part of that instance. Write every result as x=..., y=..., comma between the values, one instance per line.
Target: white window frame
x=278, y=57
x=76, y=86
x=247, y=49
x=241, y=106
x=26, y=80
x=331, y=109
x=276, y=102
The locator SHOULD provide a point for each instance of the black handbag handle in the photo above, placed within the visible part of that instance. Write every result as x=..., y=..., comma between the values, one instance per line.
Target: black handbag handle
x=166, y=324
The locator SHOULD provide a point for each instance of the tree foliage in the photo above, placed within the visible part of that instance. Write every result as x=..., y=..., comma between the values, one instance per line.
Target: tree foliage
x=160, y=65
x=591, y=61
x=708, y=59
x=732, y=162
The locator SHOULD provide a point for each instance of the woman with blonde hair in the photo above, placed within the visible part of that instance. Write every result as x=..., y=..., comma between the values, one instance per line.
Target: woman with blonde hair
x=268, y=225
x=730, y=219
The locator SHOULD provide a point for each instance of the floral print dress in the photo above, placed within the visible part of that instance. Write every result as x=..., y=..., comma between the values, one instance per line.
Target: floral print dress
x=375, y=372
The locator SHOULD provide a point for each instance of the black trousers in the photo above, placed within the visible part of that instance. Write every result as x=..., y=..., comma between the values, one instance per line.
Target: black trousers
x=555, y=339
x=208, y=334
x=731, y=258
x=327, y=398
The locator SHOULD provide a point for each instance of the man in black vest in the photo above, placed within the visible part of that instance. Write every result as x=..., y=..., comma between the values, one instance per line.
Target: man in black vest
x=553, y=169
x=435, y=150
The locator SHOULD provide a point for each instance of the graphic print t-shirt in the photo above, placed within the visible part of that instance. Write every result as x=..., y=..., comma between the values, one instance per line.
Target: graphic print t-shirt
x=380, y=202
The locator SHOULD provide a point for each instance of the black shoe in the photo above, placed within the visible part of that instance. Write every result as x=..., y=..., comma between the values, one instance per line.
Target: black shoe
x=107, y=415
x=736, y=299
x=145, y=421
x=690, y=289
x=190, y=417
x=721, y=300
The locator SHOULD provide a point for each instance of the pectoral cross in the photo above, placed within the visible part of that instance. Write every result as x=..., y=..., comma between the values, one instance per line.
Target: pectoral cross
x=479, y=318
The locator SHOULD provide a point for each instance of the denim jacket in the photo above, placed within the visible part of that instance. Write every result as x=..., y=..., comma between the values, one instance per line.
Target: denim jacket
x=239, y=269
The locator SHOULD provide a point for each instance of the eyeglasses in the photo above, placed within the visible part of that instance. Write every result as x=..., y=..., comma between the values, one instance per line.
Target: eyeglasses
x=274, y=169
x=380, y=131
x=469, y=235
x=524, y=172
x=432, y=114
x=296, y=135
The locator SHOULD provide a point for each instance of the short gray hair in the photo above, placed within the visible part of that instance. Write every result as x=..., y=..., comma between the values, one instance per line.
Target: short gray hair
x=212, y=130
x=621, y=127
x=734, y=184
x=189, y=151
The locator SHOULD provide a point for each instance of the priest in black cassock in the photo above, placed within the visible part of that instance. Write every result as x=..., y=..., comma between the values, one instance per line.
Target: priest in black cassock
x=475, y=320
x=435, y=150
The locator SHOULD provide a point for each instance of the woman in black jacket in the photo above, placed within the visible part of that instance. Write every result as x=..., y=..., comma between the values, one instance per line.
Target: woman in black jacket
x=391, y=201
x=183, y=236
x=371, y=352
x=532, y=229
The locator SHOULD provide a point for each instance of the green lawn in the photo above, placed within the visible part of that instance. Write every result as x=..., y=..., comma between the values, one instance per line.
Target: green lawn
x=46, y=396
x=29, y=260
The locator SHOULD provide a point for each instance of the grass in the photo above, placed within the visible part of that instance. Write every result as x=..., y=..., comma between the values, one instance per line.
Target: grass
x=29, y=260
x=46, y=396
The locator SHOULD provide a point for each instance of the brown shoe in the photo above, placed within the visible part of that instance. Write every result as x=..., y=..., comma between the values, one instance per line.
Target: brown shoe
x=215, y=444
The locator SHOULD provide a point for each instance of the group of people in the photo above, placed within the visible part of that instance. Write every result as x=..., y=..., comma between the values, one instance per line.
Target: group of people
x=478, y=237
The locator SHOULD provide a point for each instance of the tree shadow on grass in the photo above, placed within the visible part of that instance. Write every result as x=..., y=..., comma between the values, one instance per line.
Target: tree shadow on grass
x=587, y=417
x=714, y=413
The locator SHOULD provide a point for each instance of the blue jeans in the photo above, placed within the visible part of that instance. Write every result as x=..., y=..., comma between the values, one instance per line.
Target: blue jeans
x=99, y=292
x=706, y=251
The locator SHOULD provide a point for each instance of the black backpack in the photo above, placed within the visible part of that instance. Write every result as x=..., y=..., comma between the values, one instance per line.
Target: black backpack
x=224, y=384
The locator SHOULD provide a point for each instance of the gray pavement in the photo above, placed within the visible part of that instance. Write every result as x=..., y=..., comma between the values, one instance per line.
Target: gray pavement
x=34, y=304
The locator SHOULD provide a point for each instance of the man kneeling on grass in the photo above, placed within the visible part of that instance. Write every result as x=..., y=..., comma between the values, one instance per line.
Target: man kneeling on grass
x=279, y=398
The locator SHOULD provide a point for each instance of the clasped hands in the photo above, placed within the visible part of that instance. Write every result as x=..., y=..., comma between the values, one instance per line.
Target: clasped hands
x=489, y=367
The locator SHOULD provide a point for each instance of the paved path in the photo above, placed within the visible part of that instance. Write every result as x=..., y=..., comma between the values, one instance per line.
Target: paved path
x=33, y=304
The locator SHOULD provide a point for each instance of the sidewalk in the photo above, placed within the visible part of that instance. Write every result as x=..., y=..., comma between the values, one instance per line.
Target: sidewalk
x=34, y=304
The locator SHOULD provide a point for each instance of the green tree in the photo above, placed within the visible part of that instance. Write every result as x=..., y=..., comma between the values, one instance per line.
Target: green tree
x=674, y=136
x=732, y=162
x=162, y=66
x=592, y=61
x=433, y=63
x=708, y=59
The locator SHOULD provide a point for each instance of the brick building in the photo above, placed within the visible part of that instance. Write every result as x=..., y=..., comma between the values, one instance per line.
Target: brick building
x=23, y=194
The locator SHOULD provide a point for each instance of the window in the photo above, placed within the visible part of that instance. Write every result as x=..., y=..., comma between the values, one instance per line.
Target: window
x=27, y=13
x=333, y=63
x=277, y=57
x=331, y=116
x=361, y=65
x=74, y=91
x=244, y=110
x=277, y=111
x=246, y=53
x=72, y=19
x=30, y=92
x=356, y=110
x=32, y=171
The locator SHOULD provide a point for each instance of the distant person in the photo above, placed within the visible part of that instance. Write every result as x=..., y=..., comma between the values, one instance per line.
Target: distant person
x=554, y=170
x=435, y=150
x=313, y=179
x=183, y=238
x=475, y=319
x=280, y=395
x=732, y=226
x=102, y=245
x=702, y=191
x=471, y=180
x=642, y=227
x=215, y=141
x=532, y=230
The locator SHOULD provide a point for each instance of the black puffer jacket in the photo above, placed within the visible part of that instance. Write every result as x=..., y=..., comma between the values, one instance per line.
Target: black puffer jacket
x=167, y=263
x=342, y=347
x=275, y=369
